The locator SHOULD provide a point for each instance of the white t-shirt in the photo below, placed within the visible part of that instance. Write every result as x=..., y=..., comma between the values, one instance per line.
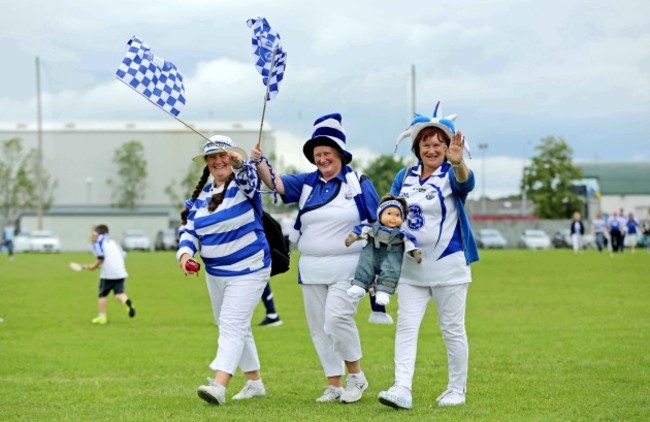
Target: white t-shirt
x=113, y=267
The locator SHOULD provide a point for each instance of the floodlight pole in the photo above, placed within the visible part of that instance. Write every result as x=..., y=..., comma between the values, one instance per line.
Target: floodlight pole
x=39, y=152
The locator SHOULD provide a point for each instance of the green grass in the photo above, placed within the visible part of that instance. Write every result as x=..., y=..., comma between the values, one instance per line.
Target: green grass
x=553, y=337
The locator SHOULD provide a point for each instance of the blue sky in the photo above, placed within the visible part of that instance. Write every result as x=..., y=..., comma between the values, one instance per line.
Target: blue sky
x=513, y=71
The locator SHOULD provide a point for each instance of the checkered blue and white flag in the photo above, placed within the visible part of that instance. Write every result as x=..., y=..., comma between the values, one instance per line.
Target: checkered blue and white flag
x=265, y=42
x=156, y=79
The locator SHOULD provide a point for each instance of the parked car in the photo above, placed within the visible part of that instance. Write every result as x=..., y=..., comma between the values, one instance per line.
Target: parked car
x=21, y=242
x=490, y=238
x=44, y=241
x=136, y=240
x=166, y=240
x=534, y=239
x=562, y=239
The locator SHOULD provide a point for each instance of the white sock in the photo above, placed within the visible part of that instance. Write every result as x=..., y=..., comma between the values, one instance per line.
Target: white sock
x=382, y=298
x=357, y=375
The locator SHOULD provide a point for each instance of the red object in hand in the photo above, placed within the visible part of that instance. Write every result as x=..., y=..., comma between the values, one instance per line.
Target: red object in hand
x=192, y=266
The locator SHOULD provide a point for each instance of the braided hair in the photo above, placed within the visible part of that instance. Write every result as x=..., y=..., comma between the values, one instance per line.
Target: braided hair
x=215, y=200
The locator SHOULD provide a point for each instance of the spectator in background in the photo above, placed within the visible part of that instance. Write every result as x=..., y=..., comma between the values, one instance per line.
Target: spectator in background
x=598, y=226
x=622, y=218
x=631, y=232
x=615, y=232
x=9, y=233
x=577, y=231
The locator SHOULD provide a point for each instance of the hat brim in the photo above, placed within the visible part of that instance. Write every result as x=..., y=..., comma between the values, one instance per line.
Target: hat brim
x=324, y=141
x=201, y=157
x=446, y=129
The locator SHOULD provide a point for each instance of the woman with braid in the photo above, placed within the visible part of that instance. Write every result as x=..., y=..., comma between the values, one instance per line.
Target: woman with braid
x=222, y=221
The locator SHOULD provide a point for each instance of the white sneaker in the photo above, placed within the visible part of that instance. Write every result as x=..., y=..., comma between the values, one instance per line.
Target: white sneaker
x=331, y=394
x=250, y=390
x=380, y=318
x=356, y=292
x=451, y=398
x=354, y=388
x=214, y=393
x=382, y=298
x=397, y=397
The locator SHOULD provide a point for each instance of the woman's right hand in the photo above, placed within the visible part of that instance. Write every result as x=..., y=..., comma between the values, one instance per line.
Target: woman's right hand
x=184, y=258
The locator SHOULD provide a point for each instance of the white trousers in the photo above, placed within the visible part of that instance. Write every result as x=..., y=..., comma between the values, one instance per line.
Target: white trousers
x=233, y=301
x=412, y=304
x=330, y=317
x=576, y=240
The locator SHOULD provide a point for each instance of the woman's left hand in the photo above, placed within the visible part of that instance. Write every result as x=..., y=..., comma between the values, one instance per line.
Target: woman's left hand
x=456, y=146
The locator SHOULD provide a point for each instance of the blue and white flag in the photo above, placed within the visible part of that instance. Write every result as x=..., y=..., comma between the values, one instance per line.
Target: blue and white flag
x=265, y=42
x=156, y=79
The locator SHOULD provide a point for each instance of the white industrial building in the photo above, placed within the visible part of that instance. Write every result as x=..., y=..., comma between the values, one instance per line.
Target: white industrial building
x=79, y=156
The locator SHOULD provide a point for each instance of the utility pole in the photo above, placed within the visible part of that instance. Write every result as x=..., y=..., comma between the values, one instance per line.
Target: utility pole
x=39, y=152
x=483, y=147
x=413, y=90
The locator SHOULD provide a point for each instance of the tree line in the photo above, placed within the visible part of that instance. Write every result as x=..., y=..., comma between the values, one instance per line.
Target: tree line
x=547, y=181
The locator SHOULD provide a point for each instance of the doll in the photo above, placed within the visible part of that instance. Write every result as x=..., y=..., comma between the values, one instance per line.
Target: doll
x=383, y=254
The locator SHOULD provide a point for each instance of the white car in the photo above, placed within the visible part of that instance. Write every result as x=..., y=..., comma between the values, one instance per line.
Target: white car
x=490, y=238
x=534, y=239
x=136, y=240
x=44, y=241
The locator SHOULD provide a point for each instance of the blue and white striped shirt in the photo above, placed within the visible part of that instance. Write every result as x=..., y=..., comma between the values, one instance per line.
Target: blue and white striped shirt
x=231, y=239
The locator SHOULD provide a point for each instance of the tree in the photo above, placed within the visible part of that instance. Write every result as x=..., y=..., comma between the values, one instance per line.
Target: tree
x=132, y=171
x=18, y=180
x=178, y=192
x=382, y=172
x=548, y=180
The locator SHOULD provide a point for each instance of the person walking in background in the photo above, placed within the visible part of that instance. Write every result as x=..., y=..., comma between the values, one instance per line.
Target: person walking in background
x=112, y=274
x=622, y=219
x=646, y=231
x=577, y=231
x=615, y=232
x=436, y=189
x=332, y=200
x=9, y=234
x=271, y=318
x=631, y=231
x=598, y=226
x=223, y=221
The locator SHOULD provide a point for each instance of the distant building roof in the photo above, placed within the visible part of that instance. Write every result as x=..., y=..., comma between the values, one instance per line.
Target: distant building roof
x=619, y=178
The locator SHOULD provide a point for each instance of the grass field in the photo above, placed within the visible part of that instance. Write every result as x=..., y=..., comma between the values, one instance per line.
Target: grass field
x=553, y=337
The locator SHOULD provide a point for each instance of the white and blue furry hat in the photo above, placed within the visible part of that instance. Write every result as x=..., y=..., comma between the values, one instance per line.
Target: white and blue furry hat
x=328, y=131
x=217, y=144
x=446, y=124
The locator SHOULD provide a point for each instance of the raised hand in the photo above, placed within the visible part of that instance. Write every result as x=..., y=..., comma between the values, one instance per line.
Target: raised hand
x=455, y=150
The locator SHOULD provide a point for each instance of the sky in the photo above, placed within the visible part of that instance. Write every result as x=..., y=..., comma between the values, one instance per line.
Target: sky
x=514, y=71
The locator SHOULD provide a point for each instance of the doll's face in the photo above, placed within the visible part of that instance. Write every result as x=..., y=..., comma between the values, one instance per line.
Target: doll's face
x=391, y=217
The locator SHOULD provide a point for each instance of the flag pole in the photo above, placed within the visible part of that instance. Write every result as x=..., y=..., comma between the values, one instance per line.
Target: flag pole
x=156, y=105
x=266, y=95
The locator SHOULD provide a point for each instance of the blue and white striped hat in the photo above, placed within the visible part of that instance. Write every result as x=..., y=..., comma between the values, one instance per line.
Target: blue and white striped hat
x=328, y=131
x=217, y=144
